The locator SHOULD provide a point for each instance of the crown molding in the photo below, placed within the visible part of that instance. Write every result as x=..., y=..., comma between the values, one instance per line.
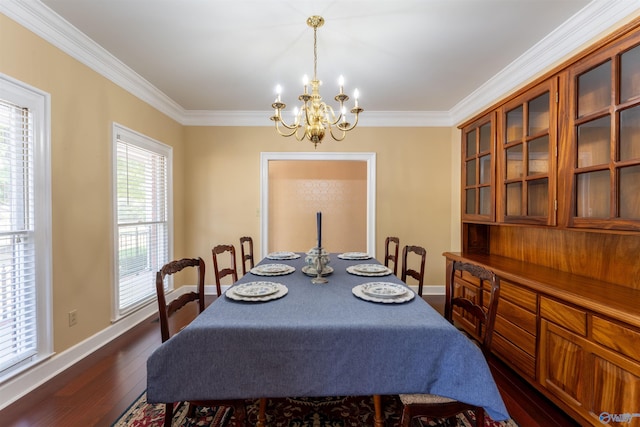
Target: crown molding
x=42, y=21
x=370, y=119
x=593, y=20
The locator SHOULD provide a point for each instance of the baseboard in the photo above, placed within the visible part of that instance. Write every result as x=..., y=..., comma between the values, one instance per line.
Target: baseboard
x=430, y=289
x=39, y=374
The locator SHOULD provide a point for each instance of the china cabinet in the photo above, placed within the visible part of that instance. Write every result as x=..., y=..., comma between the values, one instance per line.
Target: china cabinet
x=551, y=203
x=602, y=162
x=478, y=170
x=527, y=156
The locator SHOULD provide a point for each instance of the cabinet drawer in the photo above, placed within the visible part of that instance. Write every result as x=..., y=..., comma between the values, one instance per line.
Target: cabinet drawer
x=514, y=356
x=616, y=337
x=568, y=317
x=520, y=296
x=521, y=338
x=517, y=315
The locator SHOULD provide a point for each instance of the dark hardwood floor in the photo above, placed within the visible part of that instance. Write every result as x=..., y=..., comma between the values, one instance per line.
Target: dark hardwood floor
x=97, y=390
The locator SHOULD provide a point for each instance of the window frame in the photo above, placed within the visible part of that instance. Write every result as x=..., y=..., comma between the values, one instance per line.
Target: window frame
x=147, y=143
x=39, y=104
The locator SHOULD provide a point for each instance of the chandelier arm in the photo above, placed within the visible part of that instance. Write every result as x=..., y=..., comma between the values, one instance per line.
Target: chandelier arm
x=292, y=126
x=337, y=138
x=293, y=129
x=334, y=120
x=347, y=129
x=300, y=136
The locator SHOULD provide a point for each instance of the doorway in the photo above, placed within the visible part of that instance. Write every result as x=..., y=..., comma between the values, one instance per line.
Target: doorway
x=295, y=186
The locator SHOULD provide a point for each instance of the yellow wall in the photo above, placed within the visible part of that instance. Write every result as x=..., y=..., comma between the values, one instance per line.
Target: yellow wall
x=216, y=179
x=414, y=196
x=83, y=107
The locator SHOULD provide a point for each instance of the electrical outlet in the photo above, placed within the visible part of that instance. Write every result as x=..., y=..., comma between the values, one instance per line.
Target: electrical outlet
x=73, y=317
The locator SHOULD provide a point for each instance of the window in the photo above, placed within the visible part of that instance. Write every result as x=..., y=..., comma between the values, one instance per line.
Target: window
x=143, y=238
x=25, y=228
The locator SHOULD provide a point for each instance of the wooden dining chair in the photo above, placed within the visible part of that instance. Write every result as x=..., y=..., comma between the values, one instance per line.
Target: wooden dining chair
x=229, y=269
x=246, y=255
x=431, y=405
x=415, y=273
x=391, y=247
x=165, y=311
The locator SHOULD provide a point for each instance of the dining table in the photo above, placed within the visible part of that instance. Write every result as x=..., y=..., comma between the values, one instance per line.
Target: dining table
x=317, y=340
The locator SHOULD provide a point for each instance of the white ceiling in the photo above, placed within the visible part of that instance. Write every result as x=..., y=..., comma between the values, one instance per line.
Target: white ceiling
x=427, y=57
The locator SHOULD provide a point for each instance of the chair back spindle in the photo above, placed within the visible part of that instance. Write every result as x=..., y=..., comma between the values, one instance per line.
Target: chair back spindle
x=246, y=253
x=416, y=273
x=223, y=270
x=391, y=248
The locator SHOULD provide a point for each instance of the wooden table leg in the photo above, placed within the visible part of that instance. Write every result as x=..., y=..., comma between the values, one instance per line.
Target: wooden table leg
x=377, y=404
x=262, y=418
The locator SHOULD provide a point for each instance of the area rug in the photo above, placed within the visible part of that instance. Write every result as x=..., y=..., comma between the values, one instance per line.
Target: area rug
x=290, y=412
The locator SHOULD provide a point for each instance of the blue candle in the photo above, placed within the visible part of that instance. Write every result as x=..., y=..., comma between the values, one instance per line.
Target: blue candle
x=319, y=225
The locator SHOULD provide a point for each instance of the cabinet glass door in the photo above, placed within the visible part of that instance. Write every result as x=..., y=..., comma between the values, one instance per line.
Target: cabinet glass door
x=478, y=170
x=604, y=169
x=527, y=157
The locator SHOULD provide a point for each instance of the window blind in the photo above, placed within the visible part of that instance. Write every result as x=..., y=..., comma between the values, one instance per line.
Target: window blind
x=142, y=221
x=18, y=308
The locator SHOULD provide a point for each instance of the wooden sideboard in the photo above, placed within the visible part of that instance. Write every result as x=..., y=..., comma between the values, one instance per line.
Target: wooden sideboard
x=576, y=339
x=550, y=201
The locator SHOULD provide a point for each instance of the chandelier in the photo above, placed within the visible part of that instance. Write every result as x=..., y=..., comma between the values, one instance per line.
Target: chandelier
x=314, y=117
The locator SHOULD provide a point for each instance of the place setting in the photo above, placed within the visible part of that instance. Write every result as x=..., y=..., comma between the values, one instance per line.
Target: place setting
x=257, y=291
x=383, y=292
x=369, y=270
x=283, y=255
x=354, y=256
x=272, y=270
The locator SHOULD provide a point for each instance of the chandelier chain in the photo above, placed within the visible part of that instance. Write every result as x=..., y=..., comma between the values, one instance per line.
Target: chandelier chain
x=315, y=53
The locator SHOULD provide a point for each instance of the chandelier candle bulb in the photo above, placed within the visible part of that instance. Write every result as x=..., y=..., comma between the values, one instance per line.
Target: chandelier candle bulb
x=341, y=83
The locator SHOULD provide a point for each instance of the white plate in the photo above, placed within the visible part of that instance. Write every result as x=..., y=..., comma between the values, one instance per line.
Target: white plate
x=272, y=269
x=311, y=271
x=407, y=296
x=282, y=291
x=354, y=255
x=384, y=289
x=256, y=289
x=370, y=268
x=283, y=255
x=359, y=270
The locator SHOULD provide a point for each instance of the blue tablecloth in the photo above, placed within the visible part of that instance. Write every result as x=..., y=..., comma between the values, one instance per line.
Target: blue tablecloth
x=320, y=340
